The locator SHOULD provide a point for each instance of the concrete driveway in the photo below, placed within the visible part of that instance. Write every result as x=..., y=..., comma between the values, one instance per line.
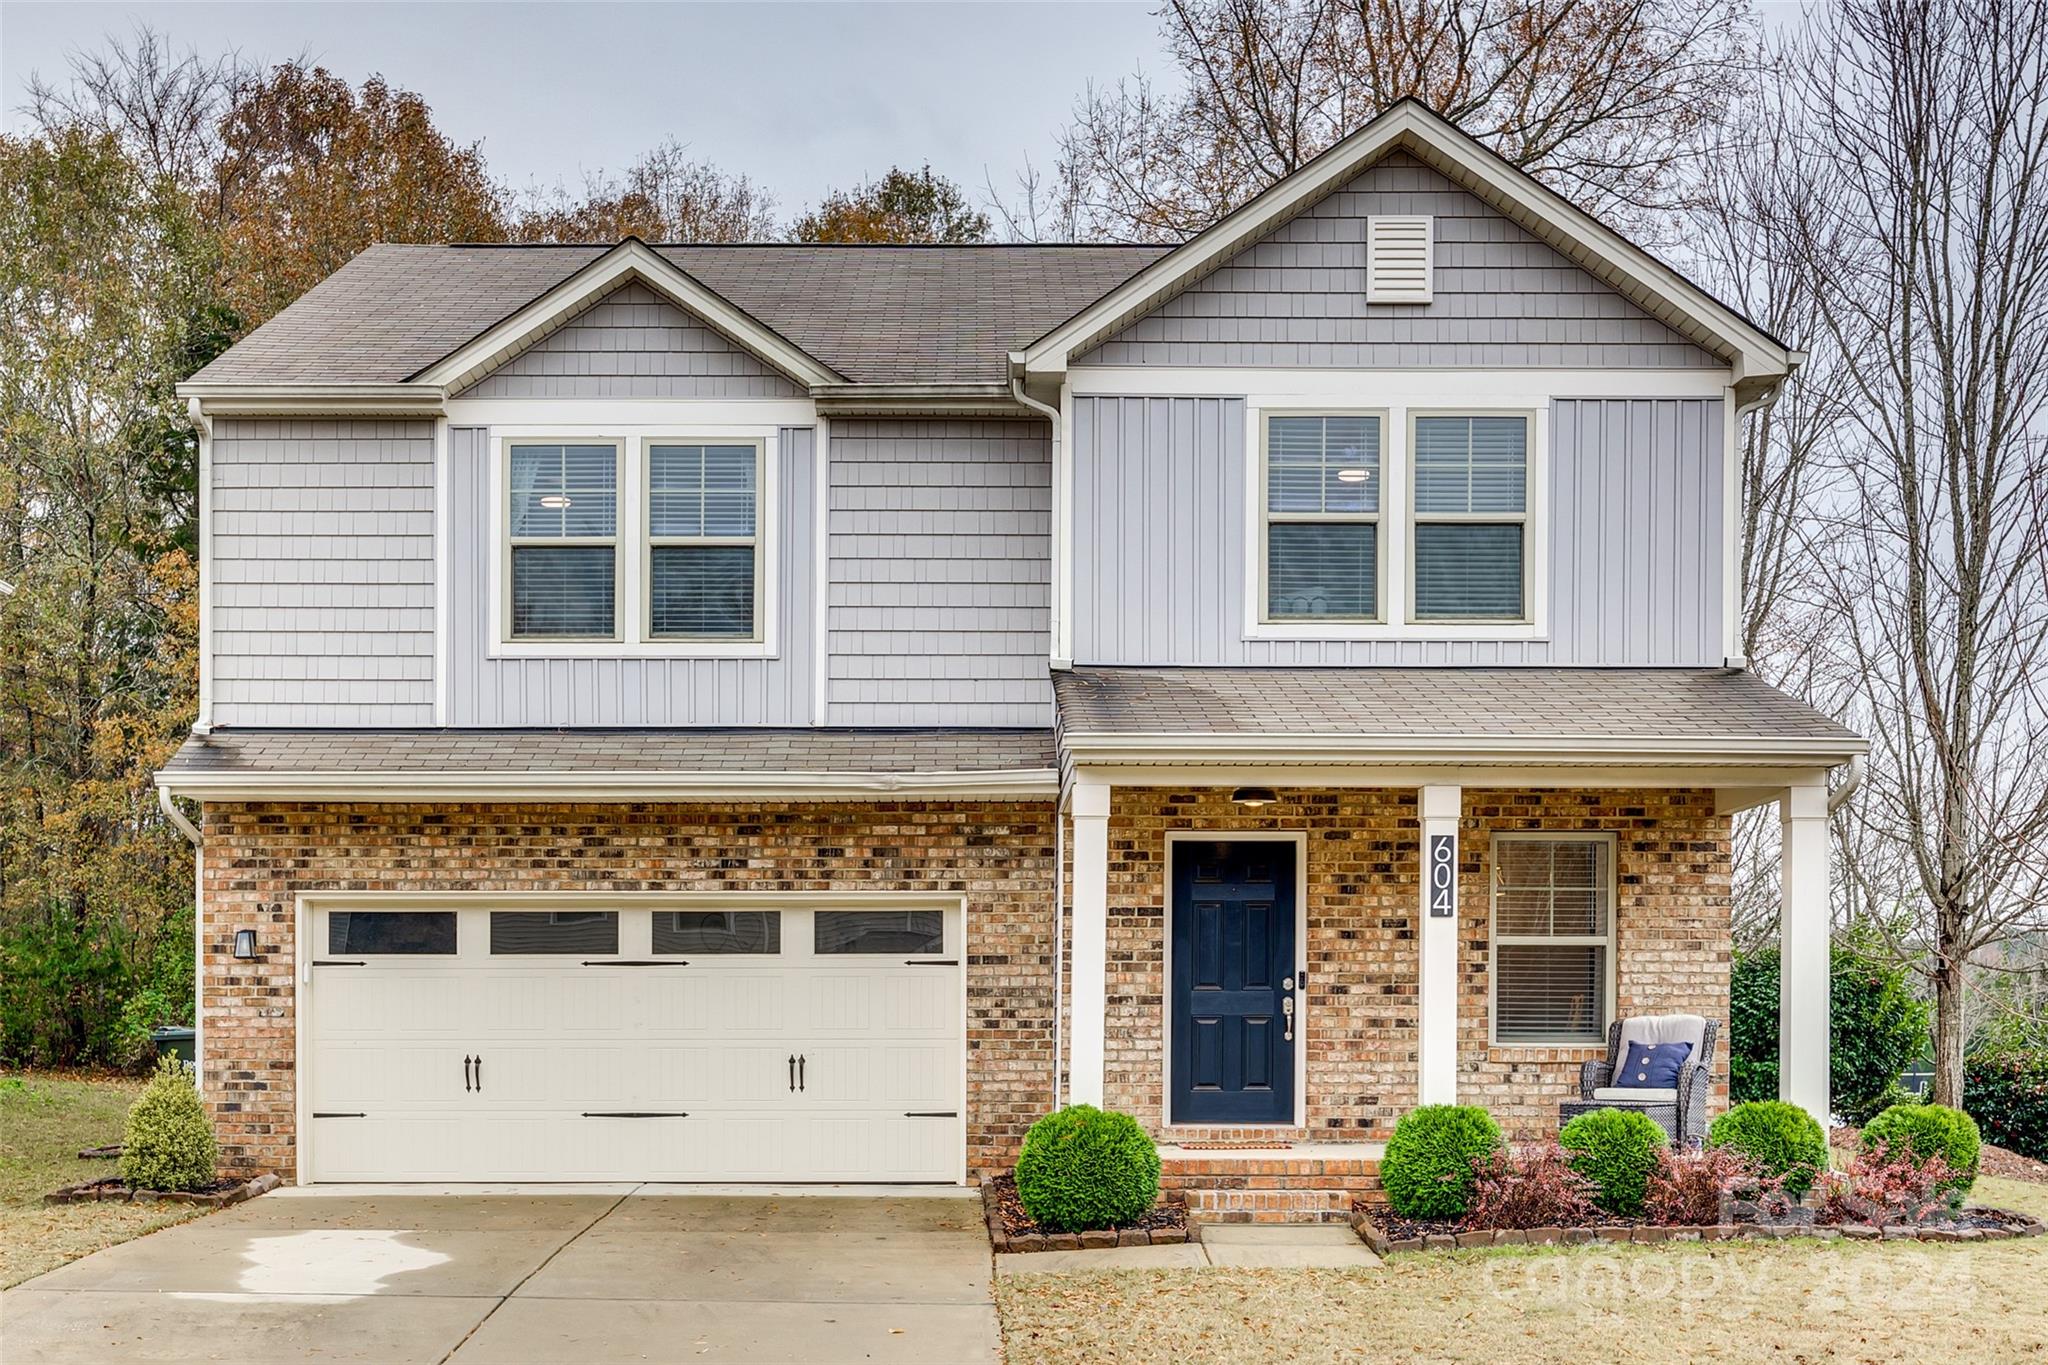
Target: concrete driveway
x=627, y=1274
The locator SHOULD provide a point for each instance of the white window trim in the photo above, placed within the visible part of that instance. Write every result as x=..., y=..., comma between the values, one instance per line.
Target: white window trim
x=1611, y=940
x=1313, y=627
x=632, y=640
x=1397, y=621
x=506, y=544
x=649, y=542
x=1527, y=521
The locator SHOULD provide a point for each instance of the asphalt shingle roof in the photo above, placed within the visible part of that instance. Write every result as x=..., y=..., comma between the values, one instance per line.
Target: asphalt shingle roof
x=876, y=314
x=1561, y=703
x=240, y=752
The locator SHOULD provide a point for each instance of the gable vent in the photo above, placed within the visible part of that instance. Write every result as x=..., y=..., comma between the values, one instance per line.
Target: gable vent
x=1399, y=258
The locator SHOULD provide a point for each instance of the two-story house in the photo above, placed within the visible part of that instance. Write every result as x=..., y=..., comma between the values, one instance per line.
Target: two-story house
x=799, y=713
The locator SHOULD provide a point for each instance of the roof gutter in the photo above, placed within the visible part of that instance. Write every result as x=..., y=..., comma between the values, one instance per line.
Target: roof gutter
x=390, y=785
x=1502, y=750
x=265, y=400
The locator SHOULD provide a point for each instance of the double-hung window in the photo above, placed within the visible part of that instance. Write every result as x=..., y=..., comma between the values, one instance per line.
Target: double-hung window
x=563, y=542
x=1321, y=518
x=1552, y=941
x=1470, y=475
x=704, y=549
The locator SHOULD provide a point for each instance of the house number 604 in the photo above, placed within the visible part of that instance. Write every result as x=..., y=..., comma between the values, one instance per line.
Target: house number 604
x=1443, y=876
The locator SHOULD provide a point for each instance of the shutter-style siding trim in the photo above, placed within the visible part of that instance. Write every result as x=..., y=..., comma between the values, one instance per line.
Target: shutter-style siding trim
x=1399, y=258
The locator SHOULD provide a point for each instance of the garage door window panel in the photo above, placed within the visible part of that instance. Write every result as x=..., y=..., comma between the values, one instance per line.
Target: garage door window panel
x=718, y=932
x=402, y=933
x=545, y=932
x=852, y=932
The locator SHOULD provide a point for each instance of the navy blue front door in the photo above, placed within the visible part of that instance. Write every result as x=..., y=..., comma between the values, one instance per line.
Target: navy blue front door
x=1232, y=970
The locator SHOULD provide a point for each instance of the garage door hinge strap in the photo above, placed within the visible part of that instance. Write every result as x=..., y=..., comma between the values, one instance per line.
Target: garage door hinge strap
x=634, y=1114
x=616, y=962
x=357, y=1115
x=933, y=1114
x=927, y=962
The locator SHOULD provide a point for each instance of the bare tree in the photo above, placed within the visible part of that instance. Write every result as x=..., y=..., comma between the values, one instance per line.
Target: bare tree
x=665, y=196
x=1925, y=123
x=1609, y=101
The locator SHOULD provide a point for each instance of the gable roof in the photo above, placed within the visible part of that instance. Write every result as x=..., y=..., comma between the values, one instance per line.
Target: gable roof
x=869, y=314
x=1759, y=360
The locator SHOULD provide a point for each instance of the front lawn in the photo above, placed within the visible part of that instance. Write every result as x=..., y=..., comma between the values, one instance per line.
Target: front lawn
x=45, y=1121
x=1803, y=1301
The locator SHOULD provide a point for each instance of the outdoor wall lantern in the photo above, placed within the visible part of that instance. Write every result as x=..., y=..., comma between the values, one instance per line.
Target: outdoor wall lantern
x=1251, y=798
x=245, y=945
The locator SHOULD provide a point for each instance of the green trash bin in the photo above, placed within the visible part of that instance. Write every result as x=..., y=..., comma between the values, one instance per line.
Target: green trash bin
x=174, y=1042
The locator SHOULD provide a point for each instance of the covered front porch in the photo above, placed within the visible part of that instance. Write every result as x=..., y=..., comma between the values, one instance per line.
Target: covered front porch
x=1281, y=940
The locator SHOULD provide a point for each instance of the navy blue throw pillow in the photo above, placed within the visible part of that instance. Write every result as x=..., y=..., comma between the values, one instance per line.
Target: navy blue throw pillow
x=1652, y=1066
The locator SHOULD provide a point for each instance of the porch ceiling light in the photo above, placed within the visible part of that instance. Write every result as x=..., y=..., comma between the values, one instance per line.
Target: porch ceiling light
x=1251, y=798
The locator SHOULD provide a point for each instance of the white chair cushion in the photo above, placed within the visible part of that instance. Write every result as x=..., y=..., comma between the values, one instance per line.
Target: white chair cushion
x=1612, y=1093
x=1664, y=1028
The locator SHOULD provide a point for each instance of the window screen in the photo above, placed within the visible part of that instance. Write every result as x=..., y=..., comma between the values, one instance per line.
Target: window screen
x=1471, y=503
x=1322, y=518
x=391, y=932
x=711, y=933
x=880, y=931
x=563, y=522
x=1553, y=936
x=554, y=931
x=703, y=524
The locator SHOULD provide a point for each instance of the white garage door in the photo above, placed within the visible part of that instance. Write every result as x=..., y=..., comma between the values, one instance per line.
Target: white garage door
x=539, y=1042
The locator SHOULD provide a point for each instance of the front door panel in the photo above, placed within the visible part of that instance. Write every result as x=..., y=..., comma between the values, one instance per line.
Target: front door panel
x=1233, y=969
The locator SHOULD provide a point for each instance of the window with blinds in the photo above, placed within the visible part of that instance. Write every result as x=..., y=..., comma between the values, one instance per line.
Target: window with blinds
x=1471, y=481
x=1321, y=523
x=703, y=522
x=563, y=522
x=1552, y=942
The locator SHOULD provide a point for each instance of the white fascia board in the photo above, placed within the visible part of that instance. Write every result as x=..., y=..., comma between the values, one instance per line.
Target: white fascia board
x=262, y=400
x=1549, y=215
x=630, y=259
x=1489, y=749
x=607, y=786
x=1423, y=386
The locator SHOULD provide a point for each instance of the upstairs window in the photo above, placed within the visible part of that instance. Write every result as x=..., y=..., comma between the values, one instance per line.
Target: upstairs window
x=1470, y=534
x=563, y=519
x=1322, y=513
x=704, y=568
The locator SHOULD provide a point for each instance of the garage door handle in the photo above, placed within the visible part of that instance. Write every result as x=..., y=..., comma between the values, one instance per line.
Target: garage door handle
x=479, y=1073
x=466, y=1060
x=799, y=1071
x=792, y=1073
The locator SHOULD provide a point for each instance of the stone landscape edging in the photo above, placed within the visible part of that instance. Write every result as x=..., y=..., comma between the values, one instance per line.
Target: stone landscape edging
x=1383, y=1245
x=1101, y=1239
x=93, y=1192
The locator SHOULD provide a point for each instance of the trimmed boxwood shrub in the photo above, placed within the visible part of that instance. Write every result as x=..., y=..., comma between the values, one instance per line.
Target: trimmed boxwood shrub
x=168, y=1144
x=1427, y=1170
x=1783, y=1139
x=1927, y=1130
x=1616, y=1149
x=1082, y=1168
x=2007, y=1093
x=1876, y=1028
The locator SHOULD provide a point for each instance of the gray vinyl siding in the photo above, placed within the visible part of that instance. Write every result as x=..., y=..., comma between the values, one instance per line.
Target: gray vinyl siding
x=628, y=692
x=321, y=538
x=1634, y=535
x=1502, y=296
x=633, y=343
x=940, y=536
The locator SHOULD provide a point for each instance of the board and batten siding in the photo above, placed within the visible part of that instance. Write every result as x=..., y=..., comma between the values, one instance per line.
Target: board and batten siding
x=488, y=692
x=1634, y=538
x=1503, y=297
x=321, y=542
x=940, y=573
x=633, y=343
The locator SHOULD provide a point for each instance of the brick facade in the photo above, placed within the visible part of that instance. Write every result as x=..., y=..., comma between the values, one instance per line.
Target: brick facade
x=1363, y=863
x=259, y=857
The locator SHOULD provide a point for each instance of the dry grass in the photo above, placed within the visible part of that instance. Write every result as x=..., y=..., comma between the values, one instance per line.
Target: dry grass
x=1799, y=1301
x=45, y=1121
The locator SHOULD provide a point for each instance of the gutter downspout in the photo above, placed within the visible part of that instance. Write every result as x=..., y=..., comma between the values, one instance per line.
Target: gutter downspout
x=1839, y=797
x=169, y=806
x=1060, y=495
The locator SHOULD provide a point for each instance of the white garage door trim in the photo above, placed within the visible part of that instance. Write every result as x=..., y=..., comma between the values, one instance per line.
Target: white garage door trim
x=309, y=905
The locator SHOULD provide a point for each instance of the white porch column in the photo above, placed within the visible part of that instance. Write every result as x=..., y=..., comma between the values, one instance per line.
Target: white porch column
x=1089, y=802
x=1803, y=919
x=1437, y=938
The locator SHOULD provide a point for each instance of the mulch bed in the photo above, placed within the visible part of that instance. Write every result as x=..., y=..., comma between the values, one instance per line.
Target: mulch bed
x=1011, y=1229
x=2002, y=1162
x=115, y=1191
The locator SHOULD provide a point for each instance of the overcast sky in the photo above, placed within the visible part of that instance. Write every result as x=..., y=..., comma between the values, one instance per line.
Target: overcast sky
x=803, y=97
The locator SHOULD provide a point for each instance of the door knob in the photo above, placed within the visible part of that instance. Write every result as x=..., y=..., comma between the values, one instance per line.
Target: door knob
x=1287, y=1014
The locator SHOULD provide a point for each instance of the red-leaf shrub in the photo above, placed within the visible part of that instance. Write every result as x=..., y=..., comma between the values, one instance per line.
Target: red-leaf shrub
x=1533, y=1186
x=1697, y=1188
x=1886, y=1185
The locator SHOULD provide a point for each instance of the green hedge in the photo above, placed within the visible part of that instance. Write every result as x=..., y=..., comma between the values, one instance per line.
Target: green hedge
x=1427, y=1168
x=1781, y=1138
x=1616, y=1149
x=2007, y=1093
x=1929, y=1130
x=1082, y=1168
x=169, y=1143
x=1879, y=1027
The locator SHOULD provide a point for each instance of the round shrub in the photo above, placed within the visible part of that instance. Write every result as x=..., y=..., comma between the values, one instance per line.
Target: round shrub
x=1928, y=1130
x=169, y=1143
x=1617, y=1150
x=1781, y=1138
x=1082, y=1168
x=1427, y=1169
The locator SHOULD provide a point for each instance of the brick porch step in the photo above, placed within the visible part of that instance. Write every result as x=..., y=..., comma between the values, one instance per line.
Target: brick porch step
x=1307, y=1182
